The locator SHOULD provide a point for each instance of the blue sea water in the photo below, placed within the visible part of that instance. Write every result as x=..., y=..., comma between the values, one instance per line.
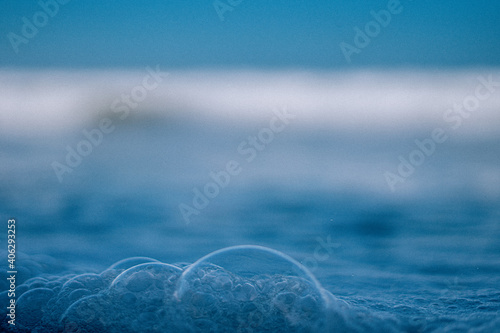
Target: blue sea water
x=308, y=237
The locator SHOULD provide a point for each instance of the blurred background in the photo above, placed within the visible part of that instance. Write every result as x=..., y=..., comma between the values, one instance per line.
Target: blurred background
x=383, y=177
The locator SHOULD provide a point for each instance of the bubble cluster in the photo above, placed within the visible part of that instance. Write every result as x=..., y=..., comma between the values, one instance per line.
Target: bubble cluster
x=247, y=288
x=238, y=289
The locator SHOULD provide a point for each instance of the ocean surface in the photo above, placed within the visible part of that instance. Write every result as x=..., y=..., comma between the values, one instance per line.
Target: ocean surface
x=251, y=202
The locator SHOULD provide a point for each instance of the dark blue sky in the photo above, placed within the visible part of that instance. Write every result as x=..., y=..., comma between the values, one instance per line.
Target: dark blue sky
x=255, y=34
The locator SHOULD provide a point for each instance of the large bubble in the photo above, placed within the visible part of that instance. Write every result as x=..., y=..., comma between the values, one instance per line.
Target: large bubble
x=90, y=314
x=131, y=262
x=30, y=307
x=251, y=289
x=153, y=282
x=117, y=268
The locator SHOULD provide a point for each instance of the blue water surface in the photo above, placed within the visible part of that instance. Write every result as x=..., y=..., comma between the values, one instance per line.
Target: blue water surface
x=332, y=247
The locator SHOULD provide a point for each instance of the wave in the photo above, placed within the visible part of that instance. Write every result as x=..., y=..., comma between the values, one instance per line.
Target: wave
x=48, y=100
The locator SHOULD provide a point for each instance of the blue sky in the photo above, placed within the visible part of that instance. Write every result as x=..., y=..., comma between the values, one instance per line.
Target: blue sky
x=255, y=34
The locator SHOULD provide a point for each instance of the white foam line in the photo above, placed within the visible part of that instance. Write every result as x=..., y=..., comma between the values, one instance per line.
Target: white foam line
x=48, y=100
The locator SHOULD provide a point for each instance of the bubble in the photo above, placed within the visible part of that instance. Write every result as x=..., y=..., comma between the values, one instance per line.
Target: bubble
x=36, y=282
x=239, y=289
x=117, y=268
x=145, y=292
x=77, y=294
x=30, y=307
x=182, y=265
x=90, y=281
x=147, y=277
x=21, y=289
x=71, y=290
x=131, y=262
x=249, y=288
x=89, y=314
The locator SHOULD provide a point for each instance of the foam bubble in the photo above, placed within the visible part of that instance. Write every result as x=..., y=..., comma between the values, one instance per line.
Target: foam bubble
x=239, y=289
x=30, y=307
x=252, y=288
x=131, y=262
x=147, y=281
x=140, y=299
